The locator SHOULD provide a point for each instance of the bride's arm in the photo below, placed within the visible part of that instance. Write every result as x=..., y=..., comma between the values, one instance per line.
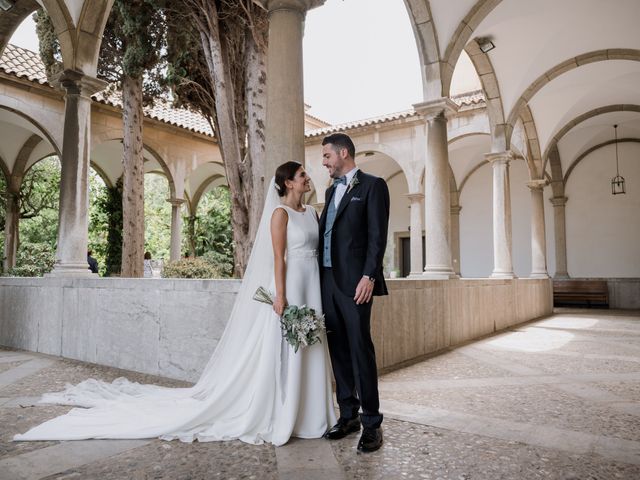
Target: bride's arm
x=279, y=221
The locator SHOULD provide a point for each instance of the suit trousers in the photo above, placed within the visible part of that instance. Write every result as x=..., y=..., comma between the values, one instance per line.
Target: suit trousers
x=352, y=353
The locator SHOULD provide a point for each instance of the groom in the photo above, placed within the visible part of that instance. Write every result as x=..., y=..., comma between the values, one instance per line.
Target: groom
x=353, y=238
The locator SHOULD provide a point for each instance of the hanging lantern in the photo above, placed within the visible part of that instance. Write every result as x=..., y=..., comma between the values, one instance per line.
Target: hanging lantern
x=617, y=182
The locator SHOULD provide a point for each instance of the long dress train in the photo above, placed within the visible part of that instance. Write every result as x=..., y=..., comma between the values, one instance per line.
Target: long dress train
x=254, y=388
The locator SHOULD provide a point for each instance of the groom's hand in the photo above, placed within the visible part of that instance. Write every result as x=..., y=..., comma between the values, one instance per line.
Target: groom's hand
x=364, y=291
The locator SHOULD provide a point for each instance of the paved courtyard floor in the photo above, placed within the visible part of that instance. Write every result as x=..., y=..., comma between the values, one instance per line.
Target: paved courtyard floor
x=553, y=399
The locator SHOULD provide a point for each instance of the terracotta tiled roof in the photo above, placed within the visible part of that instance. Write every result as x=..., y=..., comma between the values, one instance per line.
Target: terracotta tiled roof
x=164, y=112
x=24, y=63
x=466, y=99
x=469, y=98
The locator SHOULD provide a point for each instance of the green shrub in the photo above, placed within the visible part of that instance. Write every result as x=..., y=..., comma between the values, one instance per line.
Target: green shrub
x=34, y=260
x=190, y=268
x=221, y=262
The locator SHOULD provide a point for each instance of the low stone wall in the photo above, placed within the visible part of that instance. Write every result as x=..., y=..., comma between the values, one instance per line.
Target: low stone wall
x=157, y=326
x=420, y=317
x=624, y=293
x=171, y=327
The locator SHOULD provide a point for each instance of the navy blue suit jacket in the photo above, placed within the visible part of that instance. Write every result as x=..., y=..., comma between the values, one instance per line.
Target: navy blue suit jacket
x=359, y=236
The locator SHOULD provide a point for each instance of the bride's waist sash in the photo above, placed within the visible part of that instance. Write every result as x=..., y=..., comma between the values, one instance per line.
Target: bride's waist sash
x=300, y=253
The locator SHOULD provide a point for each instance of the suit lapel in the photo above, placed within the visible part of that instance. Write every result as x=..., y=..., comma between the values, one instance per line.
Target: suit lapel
x=347, y=196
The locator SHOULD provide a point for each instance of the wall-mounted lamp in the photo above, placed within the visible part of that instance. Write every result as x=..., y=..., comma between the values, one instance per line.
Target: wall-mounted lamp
x=485, y=44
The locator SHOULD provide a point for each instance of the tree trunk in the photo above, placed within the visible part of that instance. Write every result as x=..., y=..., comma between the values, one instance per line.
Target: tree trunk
x=191, y=234
x=256, y=103
x=133, y=179
x=235, y=50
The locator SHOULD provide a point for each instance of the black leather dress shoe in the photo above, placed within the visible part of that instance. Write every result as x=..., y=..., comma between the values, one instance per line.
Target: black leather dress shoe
x=343, y=428
x=371, y=440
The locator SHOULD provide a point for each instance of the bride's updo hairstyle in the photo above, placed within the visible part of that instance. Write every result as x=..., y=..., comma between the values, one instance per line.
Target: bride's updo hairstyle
x=285, y=172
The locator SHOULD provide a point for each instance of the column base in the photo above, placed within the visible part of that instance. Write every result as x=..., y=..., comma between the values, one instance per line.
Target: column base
x=539, y=275
x=71, y=270
x=431, y=273
x=562, y=276
x=503, y=275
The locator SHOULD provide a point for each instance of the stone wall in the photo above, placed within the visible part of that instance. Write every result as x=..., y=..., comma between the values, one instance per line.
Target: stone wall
x=171, y=327
x=421, y=317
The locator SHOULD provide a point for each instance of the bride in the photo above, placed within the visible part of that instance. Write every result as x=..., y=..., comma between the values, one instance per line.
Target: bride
x=254, y=388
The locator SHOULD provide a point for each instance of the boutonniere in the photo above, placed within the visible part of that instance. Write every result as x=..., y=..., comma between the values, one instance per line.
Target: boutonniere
x=354, y=181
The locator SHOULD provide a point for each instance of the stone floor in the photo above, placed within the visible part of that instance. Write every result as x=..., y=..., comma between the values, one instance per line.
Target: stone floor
x=553, y=399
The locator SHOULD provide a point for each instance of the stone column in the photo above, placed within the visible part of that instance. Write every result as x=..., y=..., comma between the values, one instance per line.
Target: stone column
x=560, y=236
x=73, y=224
x=436, y=189
x=502, y=260
x=455, y=238
x=285, y=97
x=11, y=225
x=176, y=228
x=538, y=238
x=415, y=241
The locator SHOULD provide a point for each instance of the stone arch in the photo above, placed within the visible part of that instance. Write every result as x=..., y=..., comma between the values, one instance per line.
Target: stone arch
x=575, y=62
x=500, y=134
x=165, y=168
x=4, y=169
x=44, y=133
x=585, y=154
x=534, y=158
x=152, y=151
x=79, y=37
x=469, y=173
x=19, y=167
x=455, y=187
x=364, y=148
x=195, y=199
x=101, y=173
x=424, y=31
x=465, y=135
x=460, y=39
x=12, y=18
x=622, y=107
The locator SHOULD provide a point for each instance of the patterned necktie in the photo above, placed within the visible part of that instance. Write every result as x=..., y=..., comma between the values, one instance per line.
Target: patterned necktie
x=341, y=180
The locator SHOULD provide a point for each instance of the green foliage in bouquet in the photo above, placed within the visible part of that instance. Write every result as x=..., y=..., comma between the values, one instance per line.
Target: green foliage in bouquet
x=190, y=268
x=33, y=260
x=301, y=326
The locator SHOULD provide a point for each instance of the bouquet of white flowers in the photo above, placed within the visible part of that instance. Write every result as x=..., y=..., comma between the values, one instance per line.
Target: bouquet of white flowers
x=301, y=326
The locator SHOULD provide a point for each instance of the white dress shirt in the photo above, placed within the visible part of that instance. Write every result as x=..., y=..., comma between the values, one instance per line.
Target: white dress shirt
x=341, y=189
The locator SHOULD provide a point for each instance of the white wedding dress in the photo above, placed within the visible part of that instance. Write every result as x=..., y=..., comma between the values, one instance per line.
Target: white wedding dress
x=254, y=388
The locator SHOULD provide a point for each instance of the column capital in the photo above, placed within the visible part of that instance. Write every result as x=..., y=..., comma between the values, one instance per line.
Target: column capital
x=441, y=107
x=75, y=82
x=414, y=197
x=559, y=201
x=299, y=5
x=455, y=209
x=176, y=202
x=499, y=157
x=537, y=185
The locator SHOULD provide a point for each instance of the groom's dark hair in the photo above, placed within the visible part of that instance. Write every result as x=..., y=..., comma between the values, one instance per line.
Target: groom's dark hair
x=340, y=141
